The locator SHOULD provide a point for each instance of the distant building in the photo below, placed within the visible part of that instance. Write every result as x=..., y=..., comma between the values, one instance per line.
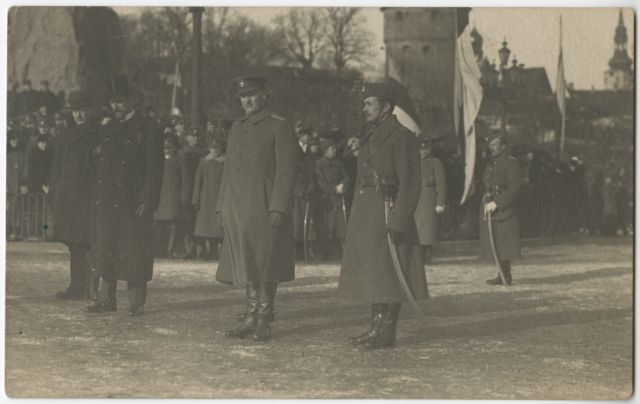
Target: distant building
x=420, y=53
x=619, y=76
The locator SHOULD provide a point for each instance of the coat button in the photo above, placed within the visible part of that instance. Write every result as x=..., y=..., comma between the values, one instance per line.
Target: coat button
x=119, y=184
x=97, y=202
x=123, y=162
x=99, y=181
x=115, y=205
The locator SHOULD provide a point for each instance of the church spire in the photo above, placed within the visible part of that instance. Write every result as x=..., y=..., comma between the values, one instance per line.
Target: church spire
x=620, y=59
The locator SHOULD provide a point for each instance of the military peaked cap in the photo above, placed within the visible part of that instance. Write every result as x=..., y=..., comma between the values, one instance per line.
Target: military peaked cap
x=246, y=85
x=378, y=89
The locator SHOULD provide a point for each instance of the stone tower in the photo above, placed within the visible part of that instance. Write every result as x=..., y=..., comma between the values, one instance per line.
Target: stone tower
x=620, y=75
x=420, y=53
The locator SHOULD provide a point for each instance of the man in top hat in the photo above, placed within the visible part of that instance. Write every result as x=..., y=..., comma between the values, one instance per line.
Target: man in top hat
x=254, y=206
x=130, y=160
x=388, y=169
x=501, y=182
x=72, y=177
x=433, y=196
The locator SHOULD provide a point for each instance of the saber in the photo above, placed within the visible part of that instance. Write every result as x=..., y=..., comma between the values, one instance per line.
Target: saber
x=398, y=268
x=494, y=251
x=344, y=209
x=305, y=230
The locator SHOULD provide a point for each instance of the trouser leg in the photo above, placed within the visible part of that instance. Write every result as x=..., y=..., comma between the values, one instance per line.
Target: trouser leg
x=137, y=293
x=249, y=318
x=79, y=268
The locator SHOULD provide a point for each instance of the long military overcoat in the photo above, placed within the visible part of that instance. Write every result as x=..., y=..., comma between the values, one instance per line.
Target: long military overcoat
x=72, y=176
x=206, y=188
x=129, y=173
x=390, y=152
x=501, y=184
x=433, y=193
x=259, y=173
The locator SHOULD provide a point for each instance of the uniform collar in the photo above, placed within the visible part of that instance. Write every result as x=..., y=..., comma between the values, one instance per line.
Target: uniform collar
x=258, y=116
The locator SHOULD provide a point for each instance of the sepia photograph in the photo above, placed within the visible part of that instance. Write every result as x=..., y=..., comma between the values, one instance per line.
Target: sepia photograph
x=390, y=202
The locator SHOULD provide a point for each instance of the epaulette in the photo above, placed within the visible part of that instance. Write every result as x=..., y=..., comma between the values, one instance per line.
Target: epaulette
x=278, y=117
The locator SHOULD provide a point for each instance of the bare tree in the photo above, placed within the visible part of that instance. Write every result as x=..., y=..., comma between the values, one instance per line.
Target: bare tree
x=302, y=31
x=345, y=32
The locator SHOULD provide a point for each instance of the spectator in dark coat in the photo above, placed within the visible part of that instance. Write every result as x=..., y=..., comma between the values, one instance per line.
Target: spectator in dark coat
x=173, y=194
x=15, y=180
x=332, y=178
x=48, y=98
x=39, y=166
x=27, y=99
x=205, y=196
x=192, y=152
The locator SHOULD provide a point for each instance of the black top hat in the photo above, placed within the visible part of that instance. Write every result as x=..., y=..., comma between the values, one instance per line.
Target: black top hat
x=245, y=85
x=118, y=87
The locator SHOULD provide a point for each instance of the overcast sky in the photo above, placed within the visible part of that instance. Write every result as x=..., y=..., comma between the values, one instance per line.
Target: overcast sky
x=532, y=33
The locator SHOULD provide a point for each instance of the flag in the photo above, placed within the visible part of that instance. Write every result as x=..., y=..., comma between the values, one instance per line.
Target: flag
x=468, y=96
x=404, y=109
x=561, y=88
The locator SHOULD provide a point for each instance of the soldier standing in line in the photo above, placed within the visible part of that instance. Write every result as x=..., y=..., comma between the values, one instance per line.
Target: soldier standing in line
x=501, y=182
x=254, y=207
x=72, y=176
x=127, y=192
x=432, y=200
x=388, y=169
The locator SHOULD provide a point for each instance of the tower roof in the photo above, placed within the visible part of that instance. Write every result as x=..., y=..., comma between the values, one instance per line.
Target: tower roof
x=620, y=59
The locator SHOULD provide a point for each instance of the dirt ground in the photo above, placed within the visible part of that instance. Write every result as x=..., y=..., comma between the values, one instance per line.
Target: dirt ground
x=562, y=331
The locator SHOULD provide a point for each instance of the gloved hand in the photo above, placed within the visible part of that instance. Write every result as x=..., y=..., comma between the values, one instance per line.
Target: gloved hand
x=276, y=219
x=439, y=209
x=395, y=236
x=340, y=189
x=24, y=189
x=490, y=207
x=45, y=188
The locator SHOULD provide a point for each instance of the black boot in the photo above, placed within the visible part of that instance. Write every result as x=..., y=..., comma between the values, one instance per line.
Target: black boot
x=249, y=323
x=243, y=315
x=506, y=269
x=266, y=299
x=376, y=318
x=386, y=335
x=495, y=281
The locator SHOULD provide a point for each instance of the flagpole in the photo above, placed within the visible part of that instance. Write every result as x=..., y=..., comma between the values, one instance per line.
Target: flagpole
x=562, y=89
x=175, y=85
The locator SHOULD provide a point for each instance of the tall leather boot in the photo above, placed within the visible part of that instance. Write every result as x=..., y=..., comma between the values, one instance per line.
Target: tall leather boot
x=266, y=298
x=506, y=268
x=189, y=247
x=243, y=315
x=249, y=321
x=386, y=336
x=376, y=318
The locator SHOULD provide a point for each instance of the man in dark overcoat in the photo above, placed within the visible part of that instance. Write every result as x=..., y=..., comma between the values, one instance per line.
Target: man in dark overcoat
x=72, y=176
x=501, y=182
x=254, y=206
x=388, y=167
x=127, y=191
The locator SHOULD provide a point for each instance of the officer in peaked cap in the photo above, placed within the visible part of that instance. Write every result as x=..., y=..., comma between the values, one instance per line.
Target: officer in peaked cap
x=501, y=188
x=130, y=159
x=254, y=206
x=388, y=169
x=433, y=196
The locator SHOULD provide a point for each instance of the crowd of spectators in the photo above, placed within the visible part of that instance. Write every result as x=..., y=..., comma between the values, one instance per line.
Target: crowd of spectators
x=559, y=197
